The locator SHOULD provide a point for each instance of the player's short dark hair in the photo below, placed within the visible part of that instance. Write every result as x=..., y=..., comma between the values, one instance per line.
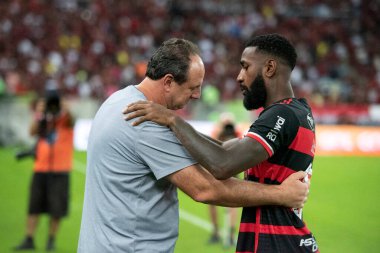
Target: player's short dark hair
x=172, y=57
x=275, y=45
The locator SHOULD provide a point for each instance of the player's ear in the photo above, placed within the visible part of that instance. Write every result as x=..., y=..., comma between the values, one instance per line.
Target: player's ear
x=168, y=80
x=270, y=68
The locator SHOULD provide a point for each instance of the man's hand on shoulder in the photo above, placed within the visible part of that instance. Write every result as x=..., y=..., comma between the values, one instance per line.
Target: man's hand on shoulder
x=149, y=111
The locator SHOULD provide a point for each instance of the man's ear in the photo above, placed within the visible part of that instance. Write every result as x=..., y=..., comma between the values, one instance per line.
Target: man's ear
x=270, y=68
x=168, y=81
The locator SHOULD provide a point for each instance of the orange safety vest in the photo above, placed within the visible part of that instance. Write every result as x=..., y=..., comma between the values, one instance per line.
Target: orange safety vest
x=58, y=156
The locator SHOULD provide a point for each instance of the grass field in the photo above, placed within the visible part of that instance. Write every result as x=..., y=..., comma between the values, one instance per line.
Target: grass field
x=343, y=209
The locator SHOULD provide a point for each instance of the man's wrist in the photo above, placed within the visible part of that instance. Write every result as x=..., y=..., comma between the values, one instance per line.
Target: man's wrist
x=278, y=195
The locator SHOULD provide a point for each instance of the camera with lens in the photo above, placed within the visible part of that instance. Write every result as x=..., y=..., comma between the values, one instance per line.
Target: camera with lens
x=52, y=109
x=46, y=125
x=53, y=103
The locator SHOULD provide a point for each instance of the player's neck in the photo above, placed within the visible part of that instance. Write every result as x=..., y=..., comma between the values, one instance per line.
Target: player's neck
x=283, y=92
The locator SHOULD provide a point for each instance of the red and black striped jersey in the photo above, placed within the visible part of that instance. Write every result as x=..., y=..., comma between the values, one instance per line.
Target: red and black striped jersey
x=287, y=132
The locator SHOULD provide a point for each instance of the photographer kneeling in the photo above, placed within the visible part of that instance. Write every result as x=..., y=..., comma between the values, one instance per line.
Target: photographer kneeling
x=49, y=190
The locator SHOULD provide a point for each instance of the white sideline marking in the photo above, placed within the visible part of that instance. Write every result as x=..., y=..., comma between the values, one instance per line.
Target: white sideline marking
x=183, y=214
x=195, y=220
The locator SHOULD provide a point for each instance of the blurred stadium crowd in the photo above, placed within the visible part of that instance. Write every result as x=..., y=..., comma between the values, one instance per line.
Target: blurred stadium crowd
x=91, y=48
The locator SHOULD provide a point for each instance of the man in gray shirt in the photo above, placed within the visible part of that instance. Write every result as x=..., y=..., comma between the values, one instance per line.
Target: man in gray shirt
x=130, y=200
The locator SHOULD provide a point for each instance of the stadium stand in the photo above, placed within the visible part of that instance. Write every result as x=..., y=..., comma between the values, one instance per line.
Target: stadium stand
x=90, y=49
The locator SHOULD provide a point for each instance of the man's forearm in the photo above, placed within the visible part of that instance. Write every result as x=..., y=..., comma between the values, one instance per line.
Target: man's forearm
x=210, y=139
x=209, y=154
x=239, y=193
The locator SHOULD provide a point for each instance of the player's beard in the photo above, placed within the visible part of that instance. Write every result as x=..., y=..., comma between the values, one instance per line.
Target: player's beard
x=255, y=96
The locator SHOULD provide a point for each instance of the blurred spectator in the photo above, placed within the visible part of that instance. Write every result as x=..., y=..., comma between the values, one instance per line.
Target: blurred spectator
x=92, y=48
x=224, y=131
x=49, y=191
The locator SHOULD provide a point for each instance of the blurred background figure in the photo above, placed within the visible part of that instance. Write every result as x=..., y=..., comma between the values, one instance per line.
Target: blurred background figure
x=224, y=131
x=49, y=190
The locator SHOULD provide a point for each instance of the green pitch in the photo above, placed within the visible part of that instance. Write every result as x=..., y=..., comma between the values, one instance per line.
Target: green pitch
x=343, y=209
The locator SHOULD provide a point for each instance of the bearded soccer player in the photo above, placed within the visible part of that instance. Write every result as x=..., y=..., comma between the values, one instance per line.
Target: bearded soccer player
x=279, y=143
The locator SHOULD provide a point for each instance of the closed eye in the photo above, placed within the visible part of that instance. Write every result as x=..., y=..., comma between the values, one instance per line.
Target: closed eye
x=244, y=65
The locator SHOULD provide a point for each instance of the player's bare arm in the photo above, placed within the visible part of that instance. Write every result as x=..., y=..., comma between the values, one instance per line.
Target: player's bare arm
x=211, y=139
x=223, y=161
x=200, y=185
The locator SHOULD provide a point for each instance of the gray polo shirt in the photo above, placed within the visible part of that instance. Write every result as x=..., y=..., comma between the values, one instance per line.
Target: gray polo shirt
x=129, y=206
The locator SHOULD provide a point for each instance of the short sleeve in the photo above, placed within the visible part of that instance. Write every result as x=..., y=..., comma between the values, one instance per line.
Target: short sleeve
x=276, y=127
x=161, y=151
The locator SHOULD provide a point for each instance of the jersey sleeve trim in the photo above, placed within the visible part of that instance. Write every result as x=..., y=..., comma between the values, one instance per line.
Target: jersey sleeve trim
x=262, y=141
